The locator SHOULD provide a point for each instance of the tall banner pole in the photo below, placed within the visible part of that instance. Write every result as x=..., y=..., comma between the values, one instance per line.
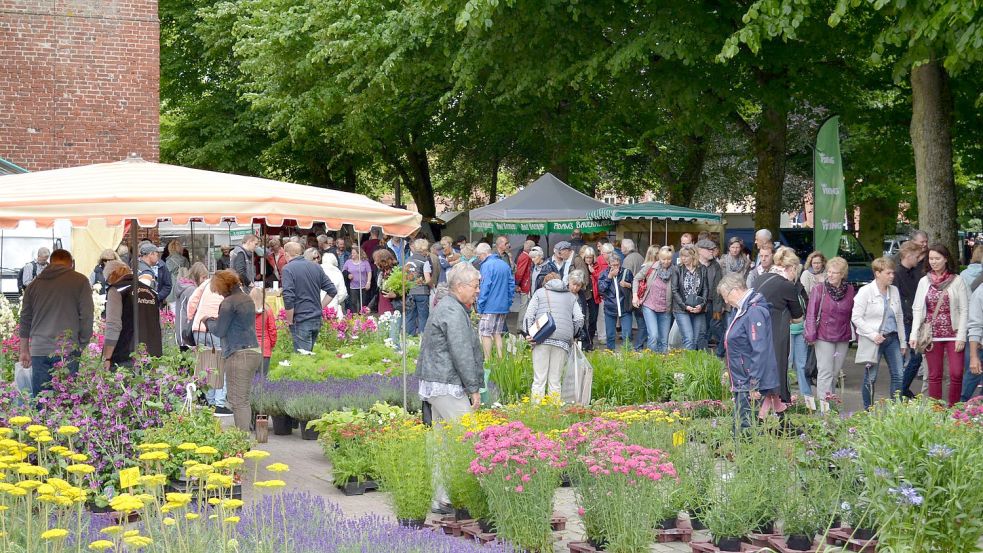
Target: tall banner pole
x=829, y=195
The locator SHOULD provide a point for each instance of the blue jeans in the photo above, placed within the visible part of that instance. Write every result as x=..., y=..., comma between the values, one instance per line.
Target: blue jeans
x=610, y=327
x=657, y=327
x=417, y=313
x=713, y=329
x=912, y=364
x=797, y=355
x=216, y=396
x=304, y=333
x=41, y=370
x=691, y=327
x=641, y=339
x=971, y=381
x=742, y=412
x=890, y=350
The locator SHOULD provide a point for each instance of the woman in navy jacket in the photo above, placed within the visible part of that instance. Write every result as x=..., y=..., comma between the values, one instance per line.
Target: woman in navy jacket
x=614, y=285
x=750, y=356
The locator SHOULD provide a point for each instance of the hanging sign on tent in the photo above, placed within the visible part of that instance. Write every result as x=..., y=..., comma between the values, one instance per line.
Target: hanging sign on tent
x=830, y=195
x=541, y=227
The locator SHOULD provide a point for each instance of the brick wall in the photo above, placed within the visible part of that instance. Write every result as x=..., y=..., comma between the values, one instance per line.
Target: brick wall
x=78, y=81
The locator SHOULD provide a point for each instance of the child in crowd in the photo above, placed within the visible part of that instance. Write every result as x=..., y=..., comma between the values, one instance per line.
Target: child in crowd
x=265, y=328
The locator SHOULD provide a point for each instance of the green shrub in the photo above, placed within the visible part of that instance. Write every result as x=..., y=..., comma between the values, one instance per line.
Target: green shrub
x=349, y=362
x=201, y=428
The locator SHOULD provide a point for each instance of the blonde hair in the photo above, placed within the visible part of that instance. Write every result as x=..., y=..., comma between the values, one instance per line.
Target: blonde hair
x=651, y=254
x=882, y=263
x=420, y=245
x=814, y=255
x=174, y=247
x=665, y=252
x=256, y=294
x=786, y=257
x=839, y=264
x=689, y=250
x=198, y=272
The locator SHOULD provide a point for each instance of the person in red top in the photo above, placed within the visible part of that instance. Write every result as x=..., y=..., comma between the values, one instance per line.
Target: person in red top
x=265, y=328
x=371, y=245
x=523, y=276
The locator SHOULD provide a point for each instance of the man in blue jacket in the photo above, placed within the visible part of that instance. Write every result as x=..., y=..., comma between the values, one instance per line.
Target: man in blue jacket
x=494, y=299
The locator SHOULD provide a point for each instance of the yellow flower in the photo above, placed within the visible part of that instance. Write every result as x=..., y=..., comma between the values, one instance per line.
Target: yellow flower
x=79, y=457
x=16, y=492
x=32, y=470
x=231, y=520
x=214, y=501
x=44, y=438
x=37, y=428
x=206, y=450
x=191, y=463
x=20, y=421
x=5, y=432
x=153, y=456
x=54, y=534
x=28, y=484
x=199, y=471
x=80, y=469
x=110, y=530
x=271, y=484
x=232, y=504
x=58, y=449
x=257, y=454
x=278, y=467
x=233, y=461
x=4, y=508
x=160, y=446
x=126, y=503
x=152, y=480
x=191, y=516
x=168, y=521
x=188, y=446
x=178, y=498
x=219, y=479
x=100, y=545
x=68, y=430
x=137, y=542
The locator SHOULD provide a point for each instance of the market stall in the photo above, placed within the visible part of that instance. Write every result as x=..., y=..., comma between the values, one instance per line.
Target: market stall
x=650, y=223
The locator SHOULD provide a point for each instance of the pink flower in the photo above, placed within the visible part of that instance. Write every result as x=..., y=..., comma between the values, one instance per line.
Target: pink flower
x=519, y=488
x=580, y=511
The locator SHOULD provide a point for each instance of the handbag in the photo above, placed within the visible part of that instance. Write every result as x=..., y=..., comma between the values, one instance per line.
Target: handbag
x=644, y=284
x=695, y=300
x=544, y=326
x=924, y=340
x=209, y=365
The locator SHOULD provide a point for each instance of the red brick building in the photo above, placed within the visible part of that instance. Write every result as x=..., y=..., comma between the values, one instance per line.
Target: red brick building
x=79, y=81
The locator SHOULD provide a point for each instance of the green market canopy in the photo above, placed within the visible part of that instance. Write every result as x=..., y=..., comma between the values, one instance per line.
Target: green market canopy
x=546, y=206
x=653, y=210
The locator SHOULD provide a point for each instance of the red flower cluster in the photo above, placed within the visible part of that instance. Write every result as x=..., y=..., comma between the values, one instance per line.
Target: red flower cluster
x=586, y=432
x=514, y=446
x=607, y=456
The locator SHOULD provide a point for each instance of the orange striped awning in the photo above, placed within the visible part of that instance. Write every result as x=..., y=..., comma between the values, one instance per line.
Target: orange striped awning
x=152, y=192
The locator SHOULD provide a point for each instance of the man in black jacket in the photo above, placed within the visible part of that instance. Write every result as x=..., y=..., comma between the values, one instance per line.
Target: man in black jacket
x=242, y=259
x=714, y=328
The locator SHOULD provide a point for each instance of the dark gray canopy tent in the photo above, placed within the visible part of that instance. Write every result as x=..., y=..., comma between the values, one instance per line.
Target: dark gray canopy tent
x=548, y=205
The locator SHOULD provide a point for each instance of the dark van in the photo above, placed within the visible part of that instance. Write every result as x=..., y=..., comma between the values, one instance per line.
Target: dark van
x=859, y=259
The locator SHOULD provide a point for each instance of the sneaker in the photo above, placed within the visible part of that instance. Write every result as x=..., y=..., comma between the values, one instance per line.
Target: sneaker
x=222, y=411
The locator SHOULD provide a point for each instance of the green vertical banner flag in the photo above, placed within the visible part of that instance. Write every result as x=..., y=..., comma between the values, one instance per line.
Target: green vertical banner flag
x=829, y=211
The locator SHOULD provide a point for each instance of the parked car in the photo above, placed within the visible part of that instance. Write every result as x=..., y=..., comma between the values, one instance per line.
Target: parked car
x=858, y=258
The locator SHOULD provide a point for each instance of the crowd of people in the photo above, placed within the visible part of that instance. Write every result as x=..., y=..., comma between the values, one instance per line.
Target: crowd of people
x=760, y=308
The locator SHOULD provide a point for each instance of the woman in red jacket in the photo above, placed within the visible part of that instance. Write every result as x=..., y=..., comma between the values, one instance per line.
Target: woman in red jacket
x=265, y=328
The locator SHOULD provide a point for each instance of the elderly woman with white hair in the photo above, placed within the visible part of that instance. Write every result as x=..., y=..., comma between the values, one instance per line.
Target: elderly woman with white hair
x=780, y=288
x=118, y=346
x=329, y=264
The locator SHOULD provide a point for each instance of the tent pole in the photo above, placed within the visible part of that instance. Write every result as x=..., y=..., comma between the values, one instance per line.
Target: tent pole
x=361, y=254
x=650, y=232
x=263, y=268
x=667, y=231
x=134, y=290
x=191, y=250
x=402, y=345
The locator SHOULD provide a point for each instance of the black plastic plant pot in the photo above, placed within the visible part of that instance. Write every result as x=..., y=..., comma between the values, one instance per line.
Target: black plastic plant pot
x=599, y=544
x=307, y=433
x=486, y=525
x=799, y=542
x=864, y=534
x=766, y=528
x=415, y=523
x=668, y=524
x=282, y=425
x=462, y=514
x=696, y=523
x=728, y=544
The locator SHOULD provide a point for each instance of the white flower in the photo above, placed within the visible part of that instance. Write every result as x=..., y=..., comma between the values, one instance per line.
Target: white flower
x=7, y=319
x=284, y=363
x=346, y=355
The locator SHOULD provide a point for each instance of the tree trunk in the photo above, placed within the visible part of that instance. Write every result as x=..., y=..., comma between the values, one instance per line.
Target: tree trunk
x=351, y=179
x=769, y=142
x=421, y=187
x=493, y=192
x=931, y=139
x=682, y=187
x=878, y=218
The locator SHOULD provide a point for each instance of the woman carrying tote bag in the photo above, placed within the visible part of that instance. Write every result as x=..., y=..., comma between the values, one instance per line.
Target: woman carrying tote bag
x=550, y=355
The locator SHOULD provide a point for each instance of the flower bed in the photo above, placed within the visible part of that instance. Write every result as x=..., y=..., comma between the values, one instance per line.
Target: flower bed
x=344, y=361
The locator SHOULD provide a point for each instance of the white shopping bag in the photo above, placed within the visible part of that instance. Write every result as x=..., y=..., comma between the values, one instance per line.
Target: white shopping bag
x=578, y=377
x=22, y=377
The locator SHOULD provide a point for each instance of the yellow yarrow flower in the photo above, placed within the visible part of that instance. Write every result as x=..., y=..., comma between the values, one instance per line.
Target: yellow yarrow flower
x=100, y=545
x=278, y=467
x=257, y=454
x=80, y=469
x=191, y=516
x=137, y=542
x=32, y=470
x=68, y=430
x=168, y=521
x=54, y=534
x=271, y=484
x=126, y=503
x=206, y=450
x=231, y=520
x=153, y=456
x=28, y=484
x=5, y=432
x=111, y=530
x=79, y=457
x=37, y=428
x=20, y=421
x=179, y=498
x=152, y=480
x=188, y=446
x=232, y=504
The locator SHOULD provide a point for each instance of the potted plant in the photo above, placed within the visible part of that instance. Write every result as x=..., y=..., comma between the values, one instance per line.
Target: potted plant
x=201, y=429
x=519, y=473
x=805, y=510
x=405, y=470
x=306, y=408
x=454, y=455
x=731, y=503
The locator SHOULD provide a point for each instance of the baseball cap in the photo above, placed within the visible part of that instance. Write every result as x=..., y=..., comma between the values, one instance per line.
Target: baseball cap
x=564, y=245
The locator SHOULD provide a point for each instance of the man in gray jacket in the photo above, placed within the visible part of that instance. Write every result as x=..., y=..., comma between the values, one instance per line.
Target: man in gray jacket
x=55, y=319
x=714, y=328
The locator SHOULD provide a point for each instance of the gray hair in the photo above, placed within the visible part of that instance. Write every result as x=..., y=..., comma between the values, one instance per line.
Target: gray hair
x=536, y=253
x=763, y=233
x=44, y=252
x=482, y=249
x=311, y=253
x=587, y=250
x=420, y=245
x=576, y=277
x=731, y=282
x=461, y=274
x=322, y=239
x=607, y=248
x=918, y=232
x=628, y=244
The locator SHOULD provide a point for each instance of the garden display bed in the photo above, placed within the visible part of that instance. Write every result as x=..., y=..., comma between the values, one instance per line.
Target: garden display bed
x=761, y=540
x=674, y=534
x=454, y=527
x=841, y=537
x=473, y=532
